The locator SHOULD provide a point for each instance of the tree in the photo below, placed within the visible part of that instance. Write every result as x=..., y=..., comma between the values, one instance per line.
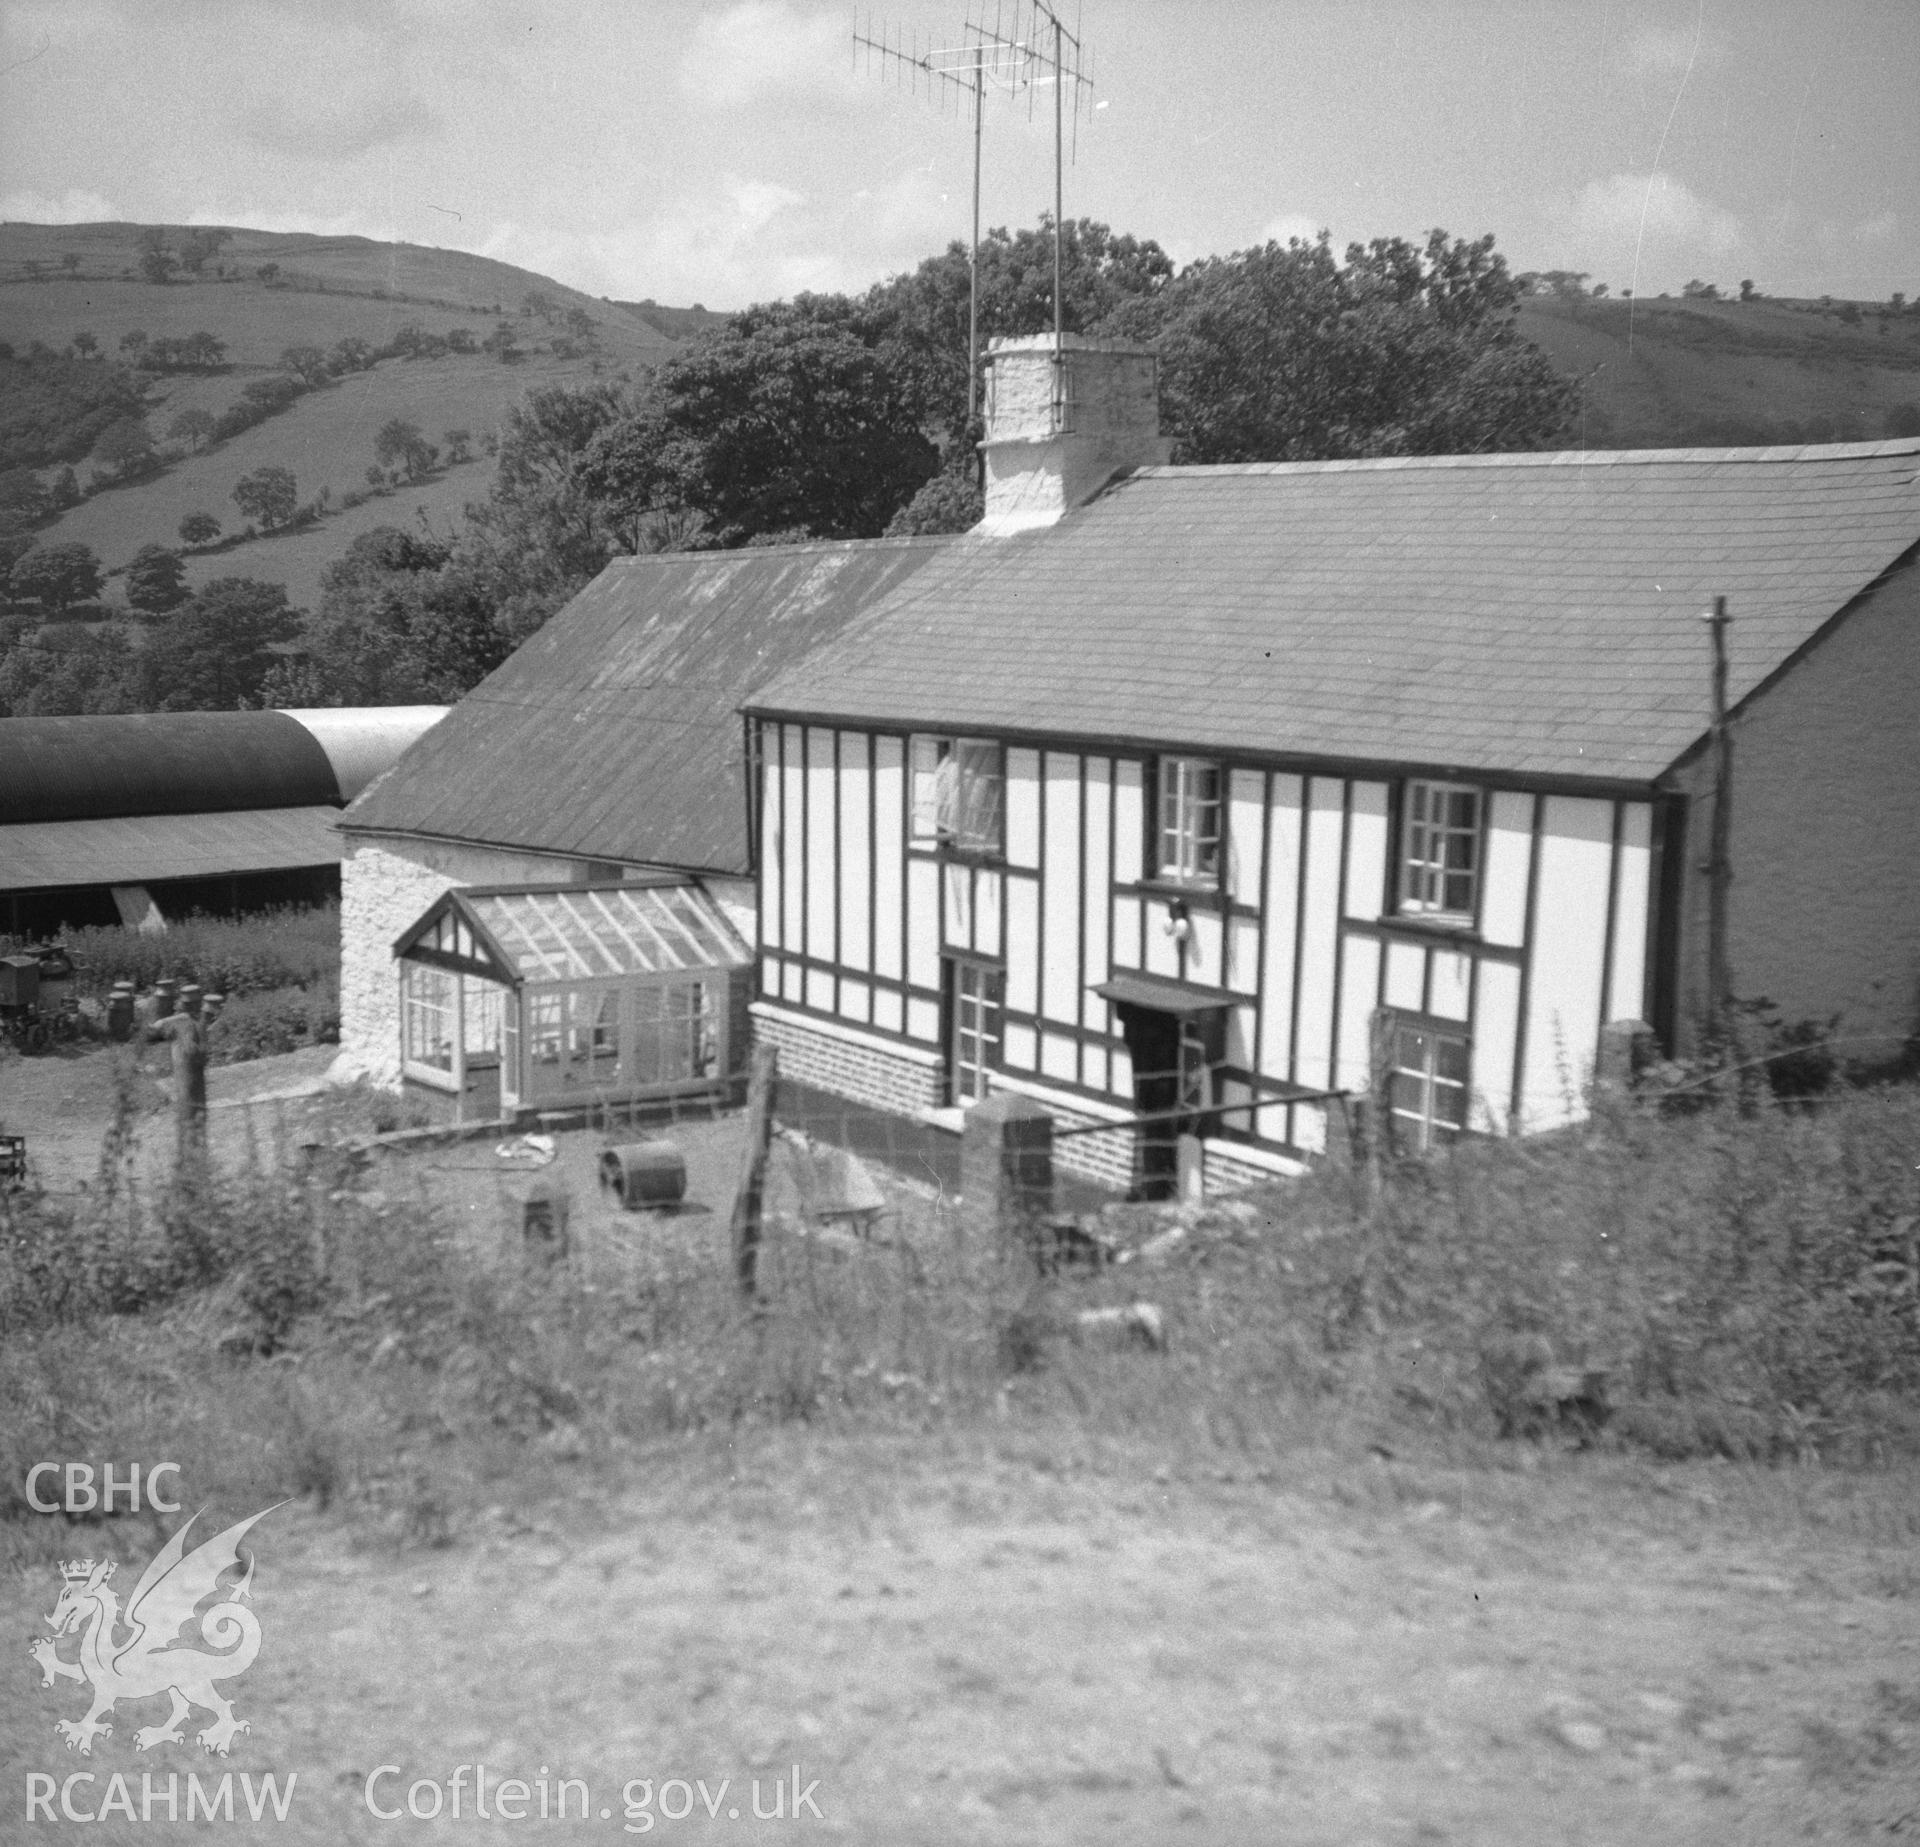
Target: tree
x=401, y=442
x=133, y=343
x=352, y=355
x=503, y=344
x=70, y=262
x=950, y=502
x=268, y=496
x=273, y=393
x=198, y=246
x=199, y=529
x=156, y=580
x=65, y=490
x=784, y=428
x=459, y=445
x=918, y=321
x=157, y=263
x=22, y=494
x=57, y=576
x=306, y=363
x=1283, y=354
x=269, y=273
x=193, y=426
x=125, y=449
x=53, y=675
x=216, y=649
x=399, y=623
x=85, y=344
x=1697, y=290
x=1747, y=291
x=544, y=529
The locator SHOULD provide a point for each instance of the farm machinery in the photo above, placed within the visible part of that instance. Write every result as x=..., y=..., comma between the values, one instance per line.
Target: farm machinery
x=37, y=1001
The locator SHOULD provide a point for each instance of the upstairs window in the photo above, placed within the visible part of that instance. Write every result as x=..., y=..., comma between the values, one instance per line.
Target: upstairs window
x=1187, y=849
x=959, y=794
x=1440, y=851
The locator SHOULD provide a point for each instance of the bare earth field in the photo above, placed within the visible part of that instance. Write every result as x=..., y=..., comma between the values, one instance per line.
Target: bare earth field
x=1032, y=1628
x=1009, y=1644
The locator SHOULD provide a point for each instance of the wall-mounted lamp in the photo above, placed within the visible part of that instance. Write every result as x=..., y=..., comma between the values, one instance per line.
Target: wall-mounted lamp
x=1180, y=923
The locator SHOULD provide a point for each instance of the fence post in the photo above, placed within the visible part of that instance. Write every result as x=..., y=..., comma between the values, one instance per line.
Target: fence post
x=1006, y=1164
x=1623, y=1045
x=189, y=1038
x=753, y=1174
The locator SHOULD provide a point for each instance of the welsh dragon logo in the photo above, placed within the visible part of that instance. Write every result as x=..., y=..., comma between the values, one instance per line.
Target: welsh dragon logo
x=138, y=1665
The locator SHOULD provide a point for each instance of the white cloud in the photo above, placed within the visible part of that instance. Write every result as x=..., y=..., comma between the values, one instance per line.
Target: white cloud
x=338, y=121
x=760, y=49
x=1663, y=51
x=352, y=222
x=1648, y=232
x=75, y=206
x=1287, y=226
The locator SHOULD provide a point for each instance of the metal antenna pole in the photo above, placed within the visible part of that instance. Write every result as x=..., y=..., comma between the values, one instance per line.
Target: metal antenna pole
x=973, y=255
x=988, y=52
x=1720, y=847
x=1059, y=193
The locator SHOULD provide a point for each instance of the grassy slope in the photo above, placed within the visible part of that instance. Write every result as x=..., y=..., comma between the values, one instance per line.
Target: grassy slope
x=327, y=437
x=1665, y=373
x=327, y=440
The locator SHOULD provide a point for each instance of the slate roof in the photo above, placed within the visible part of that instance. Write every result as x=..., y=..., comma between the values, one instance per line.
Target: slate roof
x=614, y=733
x=1534, y=614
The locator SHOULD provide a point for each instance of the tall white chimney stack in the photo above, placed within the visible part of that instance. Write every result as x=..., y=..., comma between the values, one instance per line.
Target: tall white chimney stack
x=1059, y=428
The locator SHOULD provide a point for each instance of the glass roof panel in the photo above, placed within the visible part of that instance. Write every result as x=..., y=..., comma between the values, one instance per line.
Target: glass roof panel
x=560, y=933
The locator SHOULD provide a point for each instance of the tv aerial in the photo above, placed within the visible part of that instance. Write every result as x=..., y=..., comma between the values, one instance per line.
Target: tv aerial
x=1026, y=48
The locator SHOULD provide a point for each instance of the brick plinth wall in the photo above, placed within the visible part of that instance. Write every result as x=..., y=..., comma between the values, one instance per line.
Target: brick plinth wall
x=849, y=1068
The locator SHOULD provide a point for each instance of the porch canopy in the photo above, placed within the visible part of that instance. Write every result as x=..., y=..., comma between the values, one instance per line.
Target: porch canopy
x=576, y=993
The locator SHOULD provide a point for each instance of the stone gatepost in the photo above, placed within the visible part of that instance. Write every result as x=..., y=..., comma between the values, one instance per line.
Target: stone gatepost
x=1006, y=1165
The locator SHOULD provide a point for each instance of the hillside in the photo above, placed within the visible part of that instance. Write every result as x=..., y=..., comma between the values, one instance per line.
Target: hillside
x=1687, y=373
x=261, y=293
x=1656, y=373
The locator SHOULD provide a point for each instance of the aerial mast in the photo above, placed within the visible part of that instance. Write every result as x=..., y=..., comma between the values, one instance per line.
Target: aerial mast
x=1027, y=44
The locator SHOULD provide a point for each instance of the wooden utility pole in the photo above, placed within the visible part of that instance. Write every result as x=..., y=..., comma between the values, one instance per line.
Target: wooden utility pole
x=1720, y=840
x=750, y=1198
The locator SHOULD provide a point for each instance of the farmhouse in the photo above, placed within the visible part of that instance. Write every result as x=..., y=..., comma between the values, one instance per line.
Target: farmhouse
x=1203, y=792
x=549, y=899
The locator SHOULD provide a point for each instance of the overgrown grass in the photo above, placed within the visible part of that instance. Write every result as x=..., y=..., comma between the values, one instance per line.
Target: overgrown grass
x=330, y=1334
x=291, y=947
x=278, y=971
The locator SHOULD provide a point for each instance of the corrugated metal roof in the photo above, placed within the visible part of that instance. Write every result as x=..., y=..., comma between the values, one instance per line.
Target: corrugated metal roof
x=365, y=741
x=1531, y=614
x=141, y=849
x=614, y=732
x=69, y=769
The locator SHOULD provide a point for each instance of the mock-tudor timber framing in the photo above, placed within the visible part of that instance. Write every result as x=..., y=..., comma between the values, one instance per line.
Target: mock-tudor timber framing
x=1301, y=940
x=1330, y=636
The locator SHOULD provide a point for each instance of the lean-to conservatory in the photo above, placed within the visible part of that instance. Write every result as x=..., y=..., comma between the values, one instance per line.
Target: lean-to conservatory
x=574, y=995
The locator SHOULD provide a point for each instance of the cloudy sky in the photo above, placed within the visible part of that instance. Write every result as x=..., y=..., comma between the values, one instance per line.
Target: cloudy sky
x=696, y=150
